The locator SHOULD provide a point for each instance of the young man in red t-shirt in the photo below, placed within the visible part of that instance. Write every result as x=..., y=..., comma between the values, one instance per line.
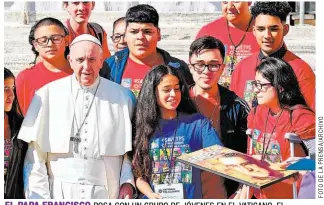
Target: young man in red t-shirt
x=50, y=42
x=224, y=109
x=269, y=30
x=234, y=29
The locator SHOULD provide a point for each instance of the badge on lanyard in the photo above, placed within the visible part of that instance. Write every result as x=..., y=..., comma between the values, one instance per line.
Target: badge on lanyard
x=170, y=191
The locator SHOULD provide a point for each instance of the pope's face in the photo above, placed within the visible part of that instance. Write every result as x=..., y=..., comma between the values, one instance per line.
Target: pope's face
x=86, y=61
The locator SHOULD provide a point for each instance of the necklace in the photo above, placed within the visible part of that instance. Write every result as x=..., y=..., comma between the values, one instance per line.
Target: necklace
x=264, y=151
x=216, y=105
x=77, y=139
x=233, y=58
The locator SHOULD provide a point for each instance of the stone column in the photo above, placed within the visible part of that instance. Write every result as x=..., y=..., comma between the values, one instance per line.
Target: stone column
x=301, y=13
x=29, y=12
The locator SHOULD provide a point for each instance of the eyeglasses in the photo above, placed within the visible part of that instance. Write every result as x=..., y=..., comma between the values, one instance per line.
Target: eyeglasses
x=116, y=38
x=259, y=85
x=43, y=41
x=200, y=67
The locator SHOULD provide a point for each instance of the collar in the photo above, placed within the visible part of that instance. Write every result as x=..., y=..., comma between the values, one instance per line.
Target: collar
x=278, y=54
x=76, y=86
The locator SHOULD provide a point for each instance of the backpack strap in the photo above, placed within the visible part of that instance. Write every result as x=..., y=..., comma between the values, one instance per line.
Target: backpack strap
x=99, y=31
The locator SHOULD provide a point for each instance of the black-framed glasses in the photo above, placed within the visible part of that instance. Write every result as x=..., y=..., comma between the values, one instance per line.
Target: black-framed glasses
x=200, y=67
x=43, y=41
x=258, y=85
x=116, y=38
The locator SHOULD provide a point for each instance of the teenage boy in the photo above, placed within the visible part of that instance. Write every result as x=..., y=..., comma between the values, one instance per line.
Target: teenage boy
x=129, y=66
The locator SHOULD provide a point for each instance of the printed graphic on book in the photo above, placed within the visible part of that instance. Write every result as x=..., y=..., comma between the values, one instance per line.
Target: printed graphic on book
x=236, y=166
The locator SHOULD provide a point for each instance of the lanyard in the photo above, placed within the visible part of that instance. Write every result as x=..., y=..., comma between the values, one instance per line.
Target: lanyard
x=171, y=154
x=233, y=58
x=265, y=129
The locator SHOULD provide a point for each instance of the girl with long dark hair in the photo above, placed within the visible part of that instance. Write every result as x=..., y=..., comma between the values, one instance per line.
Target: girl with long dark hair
x=14, y=149
x=282, y=109
x=166, y=125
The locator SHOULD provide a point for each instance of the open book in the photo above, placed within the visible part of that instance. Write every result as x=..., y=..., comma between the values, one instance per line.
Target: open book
x=236, y=166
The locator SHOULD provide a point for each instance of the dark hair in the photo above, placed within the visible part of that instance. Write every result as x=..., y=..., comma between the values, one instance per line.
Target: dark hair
x=31, y=38
x=279, y=9
x=206, y=42
x=15, y=117
x=142, y=13
x=282, y=77
x=48, y=21
x=117, y=22
x=147, y=113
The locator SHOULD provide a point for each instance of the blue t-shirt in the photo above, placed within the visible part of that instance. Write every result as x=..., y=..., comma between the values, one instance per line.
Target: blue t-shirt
x=193, y=132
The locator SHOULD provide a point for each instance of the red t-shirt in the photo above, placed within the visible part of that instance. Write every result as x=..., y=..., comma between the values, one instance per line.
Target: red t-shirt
x=105, y=49
x=276, y=147
x=244, y=74
x=29, y=81
x=218, y=30
x=134, y=75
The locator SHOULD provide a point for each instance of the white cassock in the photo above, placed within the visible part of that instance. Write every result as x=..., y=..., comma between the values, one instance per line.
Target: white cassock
x=52, y=168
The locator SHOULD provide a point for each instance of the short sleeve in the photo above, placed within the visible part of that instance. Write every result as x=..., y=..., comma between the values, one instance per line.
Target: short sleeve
x=303, y=123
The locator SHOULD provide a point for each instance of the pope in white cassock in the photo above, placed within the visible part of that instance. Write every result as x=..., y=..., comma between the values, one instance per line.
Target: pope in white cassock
x=79, y=130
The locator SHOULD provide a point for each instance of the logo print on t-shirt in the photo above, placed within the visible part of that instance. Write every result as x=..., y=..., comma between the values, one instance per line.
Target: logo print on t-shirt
x=160, y=152
x=242, y=52
x=126, y=82
x=271, y=147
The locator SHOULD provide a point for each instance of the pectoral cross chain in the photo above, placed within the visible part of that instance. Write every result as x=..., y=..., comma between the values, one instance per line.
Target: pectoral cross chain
x=77, y=139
